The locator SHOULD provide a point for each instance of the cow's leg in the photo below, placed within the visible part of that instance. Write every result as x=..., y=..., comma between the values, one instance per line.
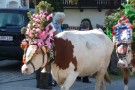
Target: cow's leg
x=69, y=80
x=126, y=78
x=100, y=80
x=101, y=75
x=98, y=83
x=103, y=85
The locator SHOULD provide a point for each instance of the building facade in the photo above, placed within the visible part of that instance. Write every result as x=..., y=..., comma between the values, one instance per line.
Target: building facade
x=94, y=10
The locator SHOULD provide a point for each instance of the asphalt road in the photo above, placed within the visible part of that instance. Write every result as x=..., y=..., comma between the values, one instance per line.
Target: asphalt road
x=11, y=78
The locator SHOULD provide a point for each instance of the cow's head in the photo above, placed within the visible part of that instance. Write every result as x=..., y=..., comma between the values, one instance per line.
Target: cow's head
x=124, y=54
x=34, y=58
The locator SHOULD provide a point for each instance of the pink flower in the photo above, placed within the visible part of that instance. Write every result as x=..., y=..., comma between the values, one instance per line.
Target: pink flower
x=41, y=11
x=38, y=20
x=38, y=30
x=29, y=25
x=47, y=28
x=40, y=42
x=36, y=15
x=49, y=17
x=31, y=35
x=43, y=16
x=37, y=34
x=44, y=33
x=51, y=33
x=39, y=16
x=27, y=31
x=34, y=24
x=45, y=12
x=34, y=19
x=34, y=29
x=47, y=42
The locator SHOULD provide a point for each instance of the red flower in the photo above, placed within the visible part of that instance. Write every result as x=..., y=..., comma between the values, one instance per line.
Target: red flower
x=119, y=21
x=130, y=26
x=113, y=33
x=113, y=27
x=124, y=16
x=126, y=21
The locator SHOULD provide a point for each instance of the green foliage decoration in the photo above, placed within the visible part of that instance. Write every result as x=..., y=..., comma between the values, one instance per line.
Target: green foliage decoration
x=112, y=19
x=55, y=3
x=129, y=11
x=132, y=3
x=44, y=5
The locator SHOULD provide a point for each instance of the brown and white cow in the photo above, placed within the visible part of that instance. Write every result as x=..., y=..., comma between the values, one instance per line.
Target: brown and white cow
x=78, y=53
x=126, y=61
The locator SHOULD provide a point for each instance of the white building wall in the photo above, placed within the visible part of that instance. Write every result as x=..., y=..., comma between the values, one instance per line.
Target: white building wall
x=74, y=16
x=14, y=4
x=3, y=4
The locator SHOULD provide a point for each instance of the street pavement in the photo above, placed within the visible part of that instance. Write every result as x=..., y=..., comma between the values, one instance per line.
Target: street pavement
x=30, y=84
x=11, y=78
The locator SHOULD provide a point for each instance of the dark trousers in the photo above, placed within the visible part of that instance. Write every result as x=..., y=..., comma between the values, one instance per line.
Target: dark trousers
x=42, y=80
x=113, y=61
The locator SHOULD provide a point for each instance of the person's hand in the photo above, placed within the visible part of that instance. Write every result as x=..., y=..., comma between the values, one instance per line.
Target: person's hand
x=55, y=33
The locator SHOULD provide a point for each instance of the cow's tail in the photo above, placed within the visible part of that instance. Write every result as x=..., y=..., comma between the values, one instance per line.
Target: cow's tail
x=107, y=78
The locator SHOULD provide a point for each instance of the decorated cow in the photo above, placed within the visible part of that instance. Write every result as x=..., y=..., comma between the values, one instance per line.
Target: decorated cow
x=122, y=33
x=77, y=53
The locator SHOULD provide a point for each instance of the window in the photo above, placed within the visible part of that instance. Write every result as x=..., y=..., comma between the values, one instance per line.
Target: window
x=11, y=19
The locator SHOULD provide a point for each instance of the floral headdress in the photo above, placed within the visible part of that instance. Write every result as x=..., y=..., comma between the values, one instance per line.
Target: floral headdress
x=118, y=30
x=39, y=30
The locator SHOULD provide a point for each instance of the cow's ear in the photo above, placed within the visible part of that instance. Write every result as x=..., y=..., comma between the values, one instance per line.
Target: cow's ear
x=32, y=49
x=24, y=46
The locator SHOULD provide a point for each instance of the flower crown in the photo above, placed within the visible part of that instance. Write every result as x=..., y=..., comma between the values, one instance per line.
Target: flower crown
x=39, y=30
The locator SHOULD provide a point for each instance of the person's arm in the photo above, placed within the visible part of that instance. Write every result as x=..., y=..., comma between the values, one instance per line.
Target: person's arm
x=54, y=28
